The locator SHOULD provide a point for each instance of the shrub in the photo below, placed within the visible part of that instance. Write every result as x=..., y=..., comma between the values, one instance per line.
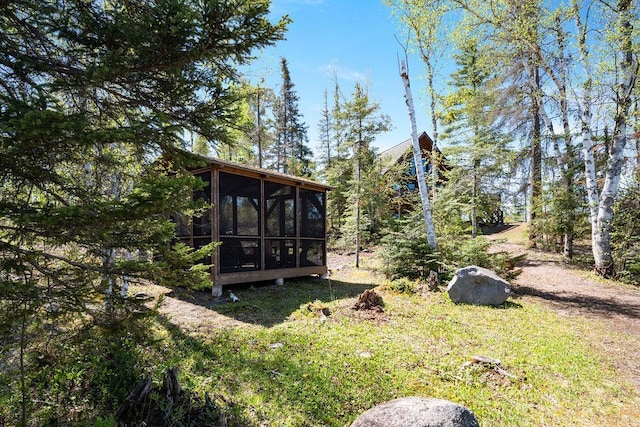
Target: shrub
x=407, y=254
x=466, y=251
x=402, y=285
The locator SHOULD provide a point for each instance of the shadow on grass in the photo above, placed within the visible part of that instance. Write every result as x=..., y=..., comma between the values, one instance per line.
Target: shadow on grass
x=266, y=304
x=287, y=377
x=507, y=305
x=591, y=304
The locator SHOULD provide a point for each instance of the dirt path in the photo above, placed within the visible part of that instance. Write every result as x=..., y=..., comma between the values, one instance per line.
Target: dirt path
x=570, y=292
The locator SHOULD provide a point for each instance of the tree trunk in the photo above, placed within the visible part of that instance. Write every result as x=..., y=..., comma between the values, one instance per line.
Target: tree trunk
x=536, y=153
x=474, y=198
x=434, y=125
x=417, y=159
x=358, y=178
x=587, y=136
x=601, y=222
x=567, y=178
x=259, y=120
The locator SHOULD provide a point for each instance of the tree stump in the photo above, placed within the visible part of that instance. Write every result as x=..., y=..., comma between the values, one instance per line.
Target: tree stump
x=432, y=282
x=168, y=405
x=369, y=300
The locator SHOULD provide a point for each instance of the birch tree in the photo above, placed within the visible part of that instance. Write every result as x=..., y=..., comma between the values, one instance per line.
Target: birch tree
x=538, y=49
x=531, y=42
x=624, y=69
x=417, y=159
x=424, y=24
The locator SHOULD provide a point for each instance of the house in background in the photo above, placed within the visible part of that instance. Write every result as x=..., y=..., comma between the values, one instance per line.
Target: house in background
x=270, y=225
x=401, y=155
x=490, y=207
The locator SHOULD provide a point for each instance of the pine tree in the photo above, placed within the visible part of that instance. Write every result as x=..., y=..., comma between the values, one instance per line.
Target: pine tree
x=325, y=132
x=94, y=99
x=480, y=150
x=339, y=173
x=362, y=122
x=241, y=148
x=262, y=100
x=291, y=143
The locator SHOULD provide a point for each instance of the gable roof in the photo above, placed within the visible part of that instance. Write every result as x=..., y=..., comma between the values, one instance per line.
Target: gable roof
x=400, y=152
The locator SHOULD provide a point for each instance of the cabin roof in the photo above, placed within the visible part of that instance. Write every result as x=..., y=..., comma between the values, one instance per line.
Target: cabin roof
x=398, y=152
x=226, y=165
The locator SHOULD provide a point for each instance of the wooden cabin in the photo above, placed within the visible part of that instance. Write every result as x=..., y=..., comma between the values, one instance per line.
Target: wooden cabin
x=402, y=154
x=270, y=225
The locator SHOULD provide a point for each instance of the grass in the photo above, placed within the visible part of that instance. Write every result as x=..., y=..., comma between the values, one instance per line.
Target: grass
x=284, y=364
x=301, y=369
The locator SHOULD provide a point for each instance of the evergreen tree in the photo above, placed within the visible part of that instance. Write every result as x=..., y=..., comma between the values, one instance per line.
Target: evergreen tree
x=480, y=150
x=339, y=173
x=241, y=148
x=293, y=154
x=261, y=101
x=94, y=99
x=325, y=132
x=362, y=122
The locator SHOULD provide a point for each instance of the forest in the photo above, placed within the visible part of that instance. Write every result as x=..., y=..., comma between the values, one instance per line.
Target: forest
x=105, y=106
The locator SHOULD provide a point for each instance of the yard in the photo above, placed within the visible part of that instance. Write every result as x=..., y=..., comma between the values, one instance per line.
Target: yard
x=299, y=354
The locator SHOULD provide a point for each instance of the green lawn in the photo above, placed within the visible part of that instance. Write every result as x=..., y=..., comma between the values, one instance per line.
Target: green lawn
x=272, y=360
x=287, y=366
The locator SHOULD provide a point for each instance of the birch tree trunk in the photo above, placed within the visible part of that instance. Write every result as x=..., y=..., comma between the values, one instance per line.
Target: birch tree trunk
x=601, y=206
x=434, y=124
x=417, y=159
x=604, y=263
x=585, y=118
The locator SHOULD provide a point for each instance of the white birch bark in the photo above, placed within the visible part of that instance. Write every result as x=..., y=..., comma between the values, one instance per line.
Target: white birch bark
x=554, y=138
x=124, y=292
x=586, y=134
x=601, y=206
x=417, y=159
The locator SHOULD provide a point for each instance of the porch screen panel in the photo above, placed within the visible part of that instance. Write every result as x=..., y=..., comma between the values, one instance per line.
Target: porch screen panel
x=280, y=253
x=312, y=207
x=280, y=210
x=279, y=225
x=238, y=254
x=312, y=228
x=312, y=253
x=202, y=222
x=239, y=210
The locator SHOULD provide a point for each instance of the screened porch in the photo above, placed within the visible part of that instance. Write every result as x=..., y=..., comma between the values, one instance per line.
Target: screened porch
x=270, y=225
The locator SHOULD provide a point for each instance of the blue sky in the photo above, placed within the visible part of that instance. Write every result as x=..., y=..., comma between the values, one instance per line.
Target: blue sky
x=355, y=38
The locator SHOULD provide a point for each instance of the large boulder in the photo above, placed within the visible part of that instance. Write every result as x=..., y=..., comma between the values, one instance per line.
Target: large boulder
x=477, y=285
x=417, y=412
